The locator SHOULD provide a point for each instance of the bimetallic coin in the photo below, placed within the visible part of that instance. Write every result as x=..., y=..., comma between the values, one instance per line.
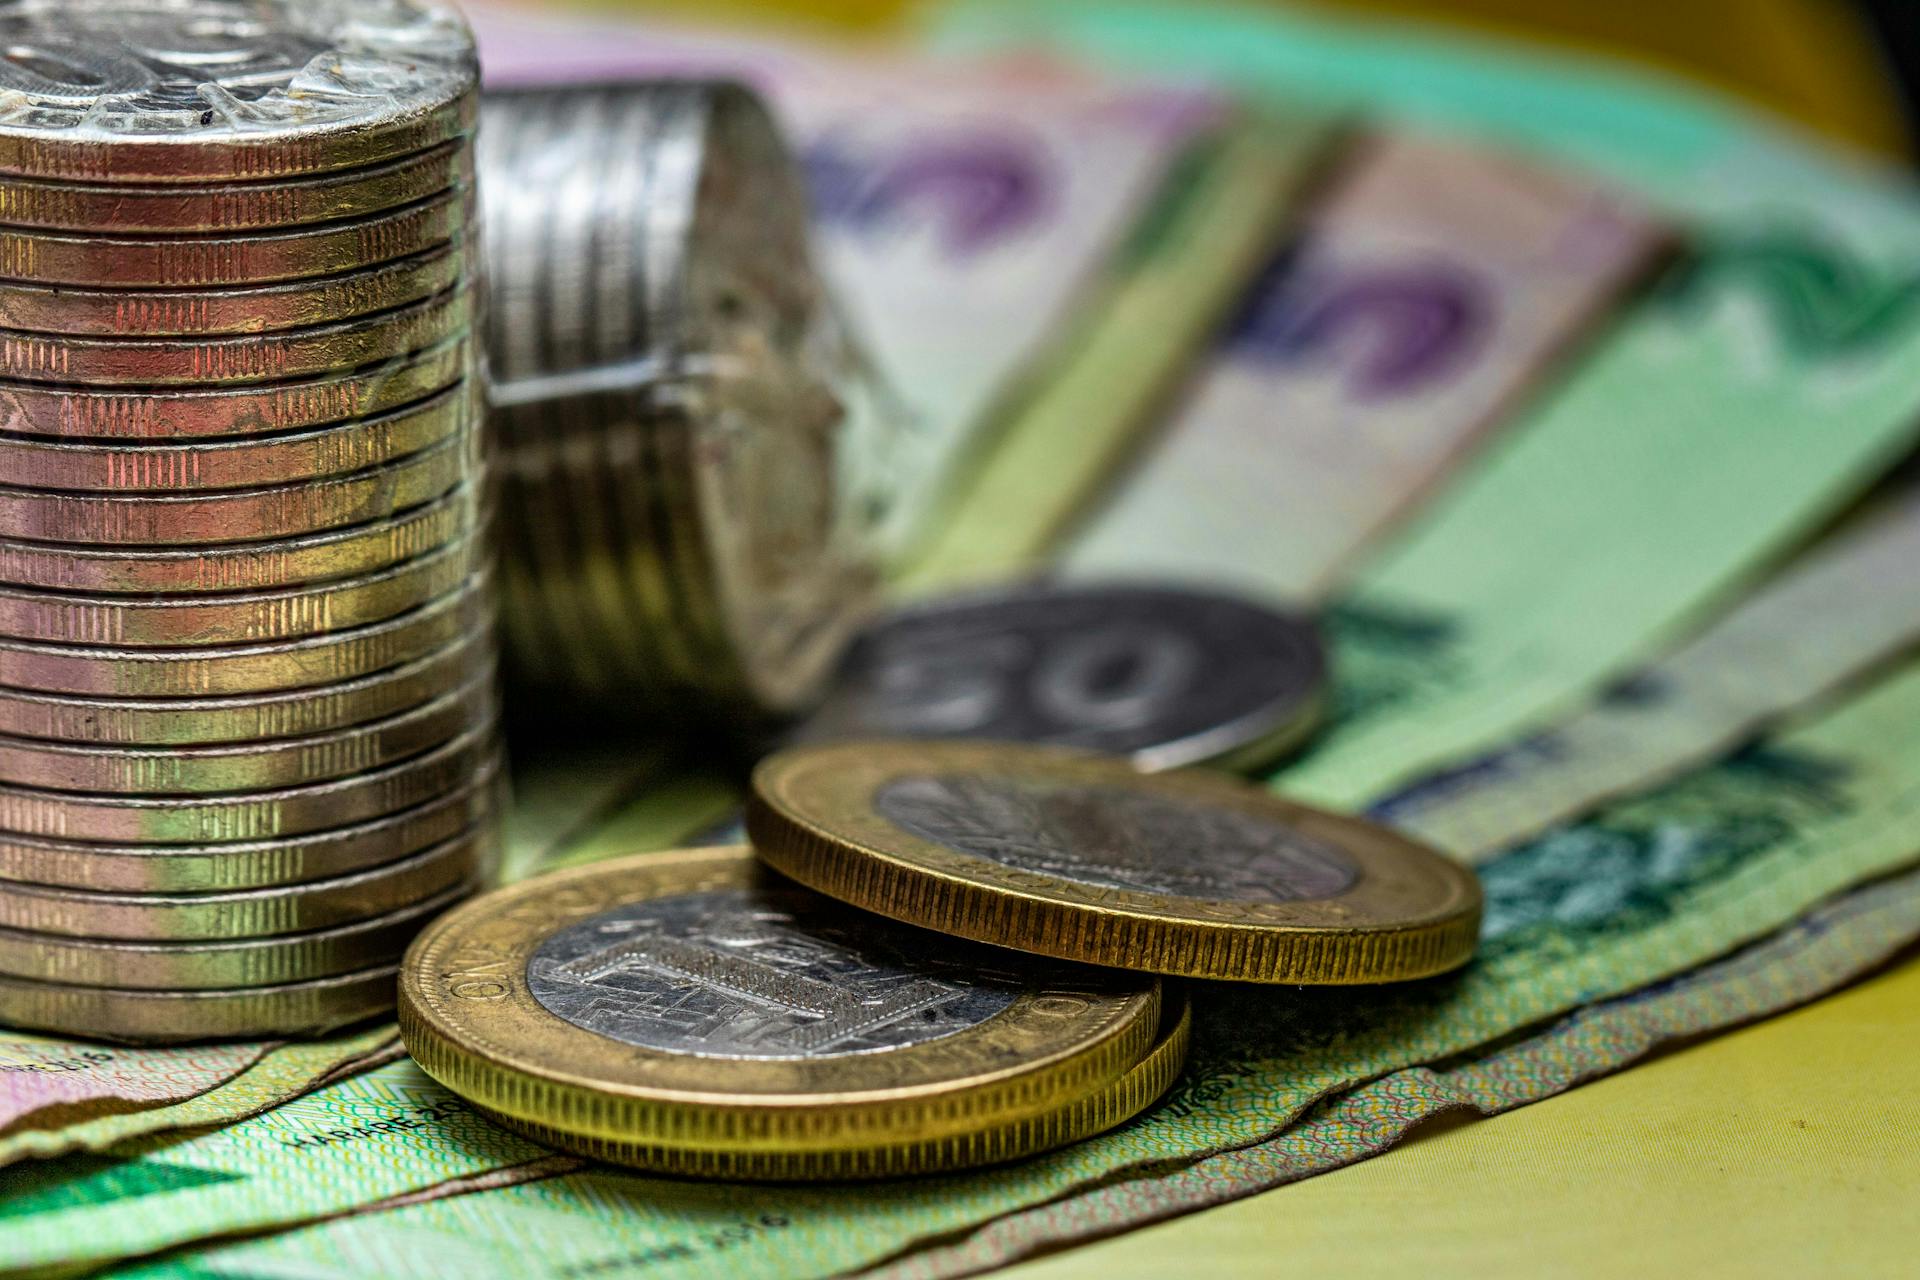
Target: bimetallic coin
x=238, y=515
x=1166, y=677
x=182, y=1017
x=258, y=815
x=149, y=91
x=211, y=262
x=202, y=966
x=253, y=864
x=689, y=1000
x=126, y=209
x=250, y=913
x=237, y=670
x=97, y=414
x=246, y=566
x=239, y=358
x=1068, y=854
x=248, y=766
x=294, y=714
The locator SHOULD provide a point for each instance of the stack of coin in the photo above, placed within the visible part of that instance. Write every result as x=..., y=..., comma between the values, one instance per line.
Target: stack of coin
x=683, y=429
x=246, y=670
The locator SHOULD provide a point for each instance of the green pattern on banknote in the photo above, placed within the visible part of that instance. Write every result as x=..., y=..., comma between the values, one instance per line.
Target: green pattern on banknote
x=1823, y=302
x=93, y=1181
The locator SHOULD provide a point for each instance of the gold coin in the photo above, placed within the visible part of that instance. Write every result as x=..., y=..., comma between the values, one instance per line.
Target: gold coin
x=241, y=515
x=258, y=815
x=181, y=1017
x=248, y=913
x=220, y=261
x=253, y=864
x=47, y=309
x=248, y=766
x=237, y=358
x=87, y=413
x=233, y=671
x=297, y=713
x=691, y=1000
x=128, y=209
x=32, y=462
x=247, y=566
x=1070, y=854
x=202, y=966
x=1106, y=1108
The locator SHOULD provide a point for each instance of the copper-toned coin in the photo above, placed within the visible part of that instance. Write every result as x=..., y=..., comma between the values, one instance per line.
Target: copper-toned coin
x=183, y=1017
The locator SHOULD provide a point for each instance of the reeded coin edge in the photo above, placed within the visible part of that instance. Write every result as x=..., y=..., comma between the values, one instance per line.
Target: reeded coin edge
x=178, y=1017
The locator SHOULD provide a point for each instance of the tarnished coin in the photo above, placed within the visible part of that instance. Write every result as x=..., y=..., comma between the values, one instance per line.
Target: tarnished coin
x=211, y=262
x=235, y=207
x=202, y=966
x=84, y=413
x=249, y=913
x=252, y=864
x=293, y=714
x=1166, y=677
x=181, y=1017
x=238, y=670
x=1075, y=855
x=246, y=566
x=47, y=309
x=248, y=766
x=238, y=515
x=692, y=1003
x=258, y=815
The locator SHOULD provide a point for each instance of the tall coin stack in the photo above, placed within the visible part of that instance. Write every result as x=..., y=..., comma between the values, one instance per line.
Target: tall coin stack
x=247, y=741
x=682, y=424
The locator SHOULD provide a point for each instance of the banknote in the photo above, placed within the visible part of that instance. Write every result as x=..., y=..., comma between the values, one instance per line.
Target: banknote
x=40, y=1075
x=1648, y=888
x=1828, y=948
x=1723, y=417
x=1430, y=291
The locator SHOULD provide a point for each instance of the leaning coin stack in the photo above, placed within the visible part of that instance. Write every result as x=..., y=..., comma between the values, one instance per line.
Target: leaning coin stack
x=684, y=432
x=246, y=671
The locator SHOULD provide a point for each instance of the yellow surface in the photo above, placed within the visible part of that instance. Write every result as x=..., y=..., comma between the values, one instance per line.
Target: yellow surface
x=1787, y=1149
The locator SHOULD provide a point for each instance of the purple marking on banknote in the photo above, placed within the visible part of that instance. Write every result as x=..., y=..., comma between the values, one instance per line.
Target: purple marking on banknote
x=975, y=190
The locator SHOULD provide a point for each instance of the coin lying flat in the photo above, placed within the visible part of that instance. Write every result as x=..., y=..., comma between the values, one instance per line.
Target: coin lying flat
x=1166, y=677
x=252, y=864
x=1068, y=854
x=181, y=1017
x=202, y=966
x=690, y=1001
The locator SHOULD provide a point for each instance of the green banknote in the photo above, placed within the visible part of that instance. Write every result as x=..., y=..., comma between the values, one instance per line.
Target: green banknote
x=1768, y=380
x=1647, y=888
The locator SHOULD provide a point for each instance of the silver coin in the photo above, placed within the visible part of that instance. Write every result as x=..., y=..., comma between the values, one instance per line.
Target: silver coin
x=1164, y=676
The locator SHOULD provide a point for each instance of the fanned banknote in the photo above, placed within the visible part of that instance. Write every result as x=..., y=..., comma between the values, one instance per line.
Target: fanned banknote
x=1648, y=888
x=1431, y=288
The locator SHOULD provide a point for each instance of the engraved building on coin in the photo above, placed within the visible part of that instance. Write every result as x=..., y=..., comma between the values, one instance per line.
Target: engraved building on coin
x=247, y=703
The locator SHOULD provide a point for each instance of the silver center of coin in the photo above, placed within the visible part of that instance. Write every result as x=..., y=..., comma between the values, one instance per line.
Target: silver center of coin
x=740, y=973
x=1118, y=839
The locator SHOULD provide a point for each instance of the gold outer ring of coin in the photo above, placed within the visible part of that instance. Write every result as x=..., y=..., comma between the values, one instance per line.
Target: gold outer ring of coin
x=184, y=313
x=249, y=766
x=235, y=208
x=180, y=622
x=34, y=462
x=255, y=864
x=88, y=413
x=182, y=1017
x=202, y=966
x=280, y=356
x=247, y=566
x=469, y=1020
x=240, y=515
x=213, y=262
x=249, y=913
x=1107, y=1108
x=298, y=713
x=1409, y=912
x=240, y=670
x=258, y=815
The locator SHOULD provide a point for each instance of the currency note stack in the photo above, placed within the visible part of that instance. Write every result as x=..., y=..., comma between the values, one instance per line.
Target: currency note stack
x=246, y=679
